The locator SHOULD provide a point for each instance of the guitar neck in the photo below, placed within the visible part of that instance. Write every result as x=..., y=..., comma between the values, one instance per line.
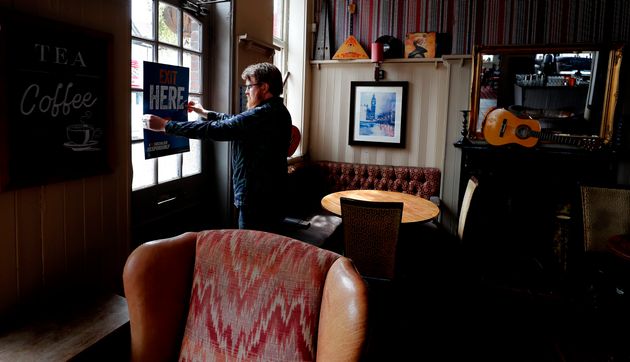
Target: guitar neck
x=557, y=138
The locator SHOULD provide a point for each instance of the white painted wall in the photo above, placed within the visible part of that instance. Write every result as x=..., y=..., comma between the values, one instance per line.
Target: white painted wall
x=438, y=90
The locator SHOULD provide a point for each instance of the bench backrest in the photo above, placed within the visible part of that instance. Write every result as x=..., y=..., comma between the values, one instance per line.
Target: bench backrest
x=419, y=181
x=312, y=180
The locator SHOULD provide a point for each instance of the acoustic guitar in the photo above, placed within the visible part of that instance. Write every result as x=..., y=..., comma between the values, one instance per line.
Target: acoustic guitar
x=503, y=127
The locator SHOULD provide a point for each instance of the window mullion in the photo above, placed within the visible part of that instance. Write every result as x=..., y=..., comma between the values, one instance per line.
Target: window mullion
x=167, y=56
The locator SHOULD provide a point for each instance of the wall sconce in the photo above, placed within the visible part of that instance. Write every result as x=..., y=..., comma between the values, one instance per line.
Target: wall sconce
x=377, y=58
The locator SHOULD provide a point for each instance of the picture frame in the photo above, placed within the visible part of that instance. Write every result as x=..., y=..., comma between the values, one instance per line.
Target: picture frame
x=420, y=45
x=378, y=113
x=55, y=101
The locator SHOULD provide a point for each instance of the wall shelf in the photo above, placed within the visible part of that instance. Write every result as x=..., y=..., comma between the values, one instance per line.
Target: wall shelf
x=256, y=44
x=397, y=60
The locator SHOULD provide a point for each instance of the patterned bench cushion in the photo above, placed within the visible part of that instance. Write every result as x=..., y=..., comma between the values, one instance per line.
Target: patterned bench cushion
x=419, y=181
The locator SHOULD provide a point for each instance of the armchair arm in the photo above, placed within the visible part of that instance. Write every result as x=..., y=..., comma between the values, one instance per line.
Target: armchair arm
x=343, y=315
x=157, y=280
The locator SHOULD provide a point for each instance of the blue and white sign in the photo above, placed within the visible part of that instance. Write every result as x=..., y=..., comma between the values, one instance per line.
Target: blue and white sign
x=165, y=95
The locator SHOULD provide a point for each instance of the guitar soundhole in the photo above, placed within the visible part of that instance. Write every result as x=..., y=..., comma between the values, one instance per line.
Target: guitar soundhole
x=522, y=131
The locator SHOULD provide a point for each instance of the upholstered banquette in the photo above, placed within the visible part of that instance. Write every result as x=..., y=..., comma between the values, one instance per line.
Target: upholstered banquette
x=312, y=180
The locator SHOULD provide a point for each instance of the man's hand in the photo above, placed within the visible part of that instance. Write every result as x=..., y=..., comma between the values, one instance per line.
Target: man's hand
x=153, y=122
x=197, y=108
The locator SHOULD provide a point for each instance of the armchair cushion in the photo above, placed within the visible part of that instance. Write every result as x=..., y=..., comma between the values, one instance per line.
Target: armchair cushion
x=250, y=303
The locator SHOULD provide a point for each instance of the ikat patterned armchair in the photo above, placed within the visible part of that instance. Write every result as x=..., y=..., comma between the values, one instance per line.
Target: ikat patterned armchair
x=243, y=295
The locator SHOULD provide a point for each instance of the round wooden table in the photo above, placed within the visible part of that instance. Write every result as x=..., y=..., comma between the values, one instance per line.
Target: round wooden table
x=620, y=246
x=415, y=208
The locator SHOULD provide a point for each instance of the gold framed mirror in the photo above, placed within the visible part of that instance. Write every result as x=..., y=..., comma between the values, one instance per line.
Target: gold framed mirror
x=569, y=90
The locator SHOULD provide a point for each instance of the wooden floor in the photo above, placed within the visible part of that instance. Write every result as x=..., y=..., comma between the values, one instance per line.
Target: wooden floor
x=437, y=313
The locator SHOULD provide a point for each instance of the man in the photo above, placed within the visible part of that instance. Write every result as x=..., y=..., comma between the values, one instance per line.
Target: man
x=260, y=139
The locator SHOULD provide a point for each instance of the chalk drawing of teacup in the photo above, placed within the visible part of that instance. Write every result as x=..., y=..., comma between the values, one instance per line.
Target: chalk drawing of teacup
x=80, y=134
x=81, y=137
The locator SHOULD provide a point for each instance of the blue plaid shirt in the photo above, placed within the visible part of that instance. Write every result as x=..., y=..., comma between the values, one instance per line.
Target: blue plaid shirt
x=260, y=141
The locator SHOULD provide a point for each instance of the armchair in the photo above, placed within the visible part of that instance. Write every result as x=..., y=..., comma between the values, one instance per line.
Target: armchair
x=243, y=295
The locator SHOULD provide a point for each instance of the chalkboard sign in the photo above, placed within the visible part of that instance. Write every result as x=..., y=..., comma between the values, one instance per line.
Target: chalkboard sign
x=54, y=101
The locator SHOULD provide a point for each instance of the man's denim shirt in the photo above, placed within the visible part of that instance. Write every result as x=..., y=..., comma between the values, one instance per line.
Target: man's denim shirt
x=260, y=140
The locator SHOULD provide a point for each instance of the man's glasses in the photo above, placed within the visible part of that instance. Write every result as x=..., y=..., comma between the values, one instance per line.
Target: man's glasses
x=249, y=86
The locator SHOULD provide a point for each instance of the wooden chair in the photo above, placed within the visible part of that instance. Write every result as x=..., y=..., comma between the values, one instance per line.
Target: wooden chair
x=471, y=186
x=371, y=231
x=243, y=295
x=606, y=230
x=472, y=244
x=486, y=256
x=605, y=213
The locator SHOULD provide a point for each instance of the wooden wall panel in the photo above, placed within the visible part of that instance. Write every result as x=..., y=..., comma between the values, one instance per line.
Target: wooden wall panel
x=438, y=90
x=426, y=112
x=458, y=99
x=53, y=237
x=113, y=207
x=75, y=231
x=74, y=235
x=8, y=252
x=94, y=231
x=29, y=238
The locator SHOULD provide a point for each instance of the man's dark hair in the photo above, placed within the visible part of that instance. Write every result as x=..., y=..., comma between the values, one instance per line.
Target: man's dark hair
x=265, y=73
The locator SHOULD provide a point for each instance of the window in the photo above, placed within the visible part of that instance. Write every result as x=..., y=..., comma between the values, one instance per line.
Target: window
x=292, y=59
x=163, y=33
x=280, y=20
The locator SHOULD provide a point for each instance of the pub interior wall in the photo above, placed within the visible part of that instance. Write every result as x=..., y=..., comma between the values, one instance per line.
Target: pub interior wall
x=72, y=236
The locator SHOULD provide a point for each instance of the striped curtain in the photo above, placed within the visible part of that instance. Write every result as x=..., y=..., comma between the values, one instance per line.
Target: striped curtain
x=487, y=22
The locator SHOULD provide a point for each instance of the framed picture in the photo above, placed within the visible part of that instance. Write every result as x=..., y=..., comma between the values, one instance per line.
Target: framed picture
x=420, y=45
x=55, y=101
x=378, y=113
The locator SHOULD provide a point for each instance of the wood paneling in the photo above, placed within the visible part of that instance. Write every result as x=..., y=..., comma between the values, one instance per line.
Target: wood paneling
x=458, y=98
x=438, y=90
x=72, y=236
x=54, y=242
x=29, y=242
x=8, y=252
x=426, y=112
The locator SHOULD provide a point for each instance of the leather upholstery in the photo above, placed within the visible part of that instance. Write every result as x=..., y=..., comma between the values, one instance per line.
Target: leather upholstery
x=253, y=296
x=157, y=281
x=309, y=181
x=323, y=177
x=419, y=181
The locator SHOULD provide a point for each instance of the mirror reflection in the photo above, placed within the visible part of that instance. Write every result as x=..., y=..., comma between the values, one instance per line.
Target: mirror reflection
x=566, y=89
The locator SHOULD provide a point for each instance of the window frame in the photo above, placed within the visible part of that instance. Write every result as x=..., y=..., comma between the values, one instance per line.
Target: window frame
x=296, y=49
x=282, y=42
x=199, y=93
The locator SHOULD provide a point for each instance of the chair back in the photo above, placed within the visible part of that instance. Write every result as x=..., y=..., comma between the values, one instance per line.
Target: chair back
x=371, y=232
x=247, y=295
x=471, y=186
x=605, y=213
